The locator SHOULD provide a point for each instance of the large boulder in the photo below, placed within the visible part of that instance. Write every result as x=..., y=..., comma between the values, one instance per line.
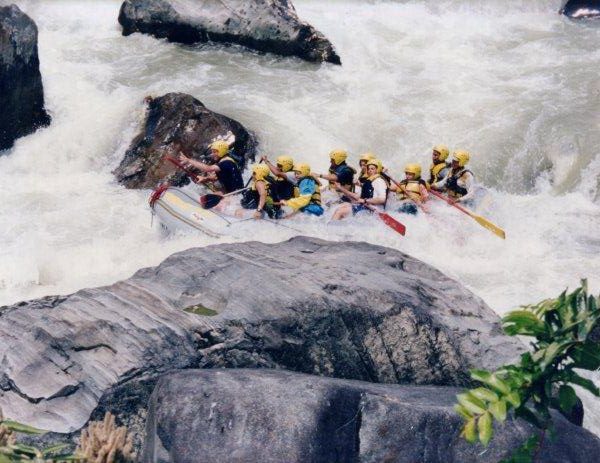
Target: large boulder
x=348, y=310
x=279, y=416
x=21, y=91
x=581, y=9
x=263, y=25
x=178, y=120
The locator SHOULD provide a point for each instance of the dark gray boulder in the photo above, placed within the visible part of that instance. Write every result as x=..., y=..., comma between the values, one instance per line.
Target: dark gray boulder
x=581, y=9
x=21, y=91
x=178, y=120
x=264, y=25
x=348, y=310
x=278, y=416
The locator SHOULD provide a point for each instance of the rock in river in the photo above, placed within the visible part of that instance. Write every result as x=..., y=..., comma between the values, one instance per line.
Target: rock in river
x=347, y=310
x=263, y=25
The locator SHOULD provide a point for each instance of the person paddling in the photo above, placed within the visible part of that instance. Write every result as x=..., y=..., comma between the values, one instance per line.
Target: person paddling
x=373, y=193
x=225, y=169
x=340, y=172
x=459, y=184
x=259, y=196
x=307, y=198
x=412, y=191
x=285, y=178
x=439, y=167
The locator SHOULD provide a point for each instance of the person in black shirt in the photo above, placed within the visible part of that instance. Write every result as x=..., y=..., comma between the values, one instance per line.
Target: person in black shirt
x=225, y=169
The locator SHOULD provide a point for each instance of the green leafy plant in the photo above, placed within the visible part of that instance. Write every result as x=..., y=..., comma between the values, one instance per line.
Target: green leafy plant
x=11, y=452
x=544, y=377
x=101, y=442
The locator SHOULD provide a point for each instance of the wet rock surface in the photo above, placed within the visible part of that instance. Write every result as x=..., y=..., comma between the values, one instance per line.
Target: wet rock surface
x=279, y=416
x=21, y=91
x=178, y=120
x=581, y=9
x=264, y=25
x=347, y=310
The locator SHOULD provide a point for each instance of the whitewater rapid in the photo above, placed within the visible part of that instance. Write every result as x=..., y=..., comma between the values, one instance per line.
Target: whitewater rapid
x=513, y=82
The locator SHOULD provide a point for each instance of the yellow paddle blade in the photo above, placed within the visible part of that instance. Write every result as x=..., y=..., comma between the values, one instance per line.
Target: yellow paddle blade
x=489, y=225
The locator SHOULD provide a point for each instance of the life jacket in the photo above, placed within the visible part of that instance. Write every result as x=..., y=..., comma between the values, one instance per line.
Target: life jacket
x=316, y=196
x=282, y=189
x=251, y=197
x=412, y=186
x=230, y=182
x=452, y=186
x=434, y=171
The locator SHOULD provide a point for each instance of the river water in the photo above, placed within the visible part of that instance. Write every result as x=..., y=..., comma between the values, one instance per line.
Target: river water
x=511, y=81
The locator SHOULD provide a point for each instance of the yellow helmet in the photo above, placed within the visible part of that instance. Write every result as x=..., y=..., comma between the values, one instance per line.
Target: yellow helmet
x=461, y=156
x=366, y=157
x=260, y=171
x=220, y=146
x=443, y=150
x=338, y=156
x=286, y=163
x=302, y=169
x=377, y=163
x=414, y=169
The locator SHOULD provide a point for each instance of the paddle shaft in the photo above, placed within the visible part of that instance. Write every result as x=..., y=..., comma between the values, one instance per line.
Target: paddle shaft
x=479, y=219
x=193, y=177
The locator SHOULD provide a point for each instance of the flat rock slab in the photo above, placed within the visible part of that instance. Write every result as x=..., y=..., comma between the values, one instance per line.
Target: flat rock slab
x=264, y=25
x=179, y=120
x=278, y=416
x=347, y=310
x=21, y=91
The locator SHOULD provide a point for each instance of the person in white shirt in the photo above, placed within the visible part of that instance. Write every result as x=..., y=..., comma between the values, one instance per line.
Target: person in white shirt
x=373, y=193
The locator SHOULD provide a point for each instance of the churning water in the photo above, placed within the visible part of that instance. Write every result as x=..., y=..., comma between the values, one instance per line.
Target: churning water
x=511, y=81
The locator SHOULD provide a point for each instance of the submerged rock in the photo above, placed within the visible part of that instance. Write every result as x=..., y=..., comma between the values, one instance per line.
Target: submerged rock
x=347, y=310
x=277, y=416
x=21, y=91
x=581, y=9
x=178, y=119
x=263, y=25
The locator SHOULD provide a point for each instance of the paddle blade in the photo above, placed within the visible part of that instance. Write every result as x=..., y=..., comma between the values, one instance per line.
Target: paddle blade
x=392, y=223
x=489, y=225
x=209, y=201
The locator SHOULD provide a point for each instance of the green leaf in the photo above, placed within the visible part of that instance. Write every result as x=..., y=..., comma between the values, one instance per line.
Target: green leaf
x=567, y=398
x=462, y=411
x=584, y=383
x=586, y=355
x=485, y=394
x=25, y=449
x=498, y=410
x=471, y=403
x=480, y=375
x=523, y=322
x=484, y=426
x=53, y=449
x=514, y=399
x=552, y=351
x=469, y=432
x=23, y=428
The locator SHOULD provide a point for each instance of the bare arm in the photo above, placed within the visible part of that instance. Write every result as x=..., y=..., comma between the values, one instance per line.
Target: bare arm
x=198, y=164
x=274, y=169
x=347, y=192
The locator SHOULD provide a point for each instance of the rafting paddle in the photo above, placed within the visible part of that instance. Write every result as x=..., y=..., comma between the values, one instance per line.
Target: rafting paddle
x=389, y=220
x=479, y=219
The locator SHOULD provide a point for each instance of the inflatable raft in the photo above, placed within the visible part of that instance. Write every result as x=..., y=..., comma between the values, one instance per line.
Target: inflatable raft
x=178, y=210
